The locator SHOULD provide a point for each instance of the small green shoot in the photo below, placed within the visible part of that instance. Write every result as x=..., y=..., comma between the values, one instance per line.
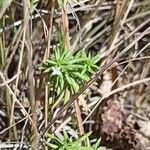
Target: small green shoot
x=66, y=71
x=68, y=143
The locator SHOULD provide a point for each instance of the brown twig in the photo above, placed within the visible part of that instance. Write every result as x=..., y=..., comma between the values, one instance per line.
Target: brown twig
x=30, y=77
x=79, y=118
x=65, y=28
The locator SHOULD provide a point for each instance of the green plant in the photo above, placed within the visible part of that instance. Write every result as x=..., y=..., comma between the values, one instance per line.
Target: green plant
x=66, y=71
x=62, y=3
x=68, y=143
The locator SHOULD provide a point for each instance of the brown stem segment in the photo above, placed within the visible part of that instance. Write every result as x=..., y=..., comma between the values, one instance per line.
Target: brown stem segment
x=79, y=118
x=65, y=27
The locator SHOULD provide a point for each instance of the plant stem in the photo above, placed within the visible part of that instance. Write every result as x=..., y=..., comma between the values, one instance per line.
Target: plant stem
x=79, y=118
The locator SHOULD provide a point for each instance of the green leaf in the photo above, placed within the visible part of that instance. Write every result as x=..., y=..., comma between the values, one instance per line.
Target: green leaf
x=68, y=54
x=85, y=136
x=5, y=3
x=88, y=142
x=55, y=80
x=66, y=137
x=74, y=85
x=90, y=70
x=57, y=53
x=97, y=144
x=52, y=62
x=58, y=100
x=52, y=145
x=84, y=70
x=89, y=56
x=74, y=67
x=65, y=61
x=51, y=136
x=68, y=78
x=1, y=3
x=88, y=78
x=77, y=60
x=47, y=70
x=34, y=4
x=83, y=54
x=67, y=96
x=61, y=82
x=62, y=3
x=78, y=54
x=96, y=58
x=62, y=57
x=80, y=76
x=77, y=1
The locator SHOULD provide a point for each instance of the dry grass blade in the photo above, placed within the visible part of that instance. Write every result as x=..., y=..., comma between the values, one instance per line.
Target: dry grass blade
x=120, y=89
x=42, y=89
x=15, y=98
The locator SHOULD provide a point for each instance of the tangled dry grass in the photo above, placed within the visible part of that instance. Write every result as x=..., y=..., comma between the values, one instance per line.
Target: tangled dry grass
x=114, y=104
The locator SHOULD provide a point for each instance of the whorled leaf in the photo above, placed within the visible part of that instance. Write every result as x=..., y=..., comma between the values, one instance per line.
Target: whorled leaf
x=67, y=71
